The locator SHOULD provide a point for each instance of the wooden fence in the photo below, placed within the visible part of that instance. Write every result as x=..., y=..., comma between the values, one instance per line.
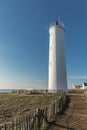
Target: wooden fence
x=38, y=120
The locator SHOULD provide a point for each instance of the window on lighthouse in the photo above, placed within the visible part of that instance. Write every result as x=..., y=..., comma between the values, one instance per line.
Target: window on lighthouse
x=50, y=47
x=50, y=64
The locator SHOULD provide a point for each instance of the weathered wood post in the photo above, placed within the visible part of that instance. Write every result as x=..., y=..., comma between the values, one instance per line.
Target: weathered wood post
x=60, y=104
x=42, y=118
x=29, y=122
x=45, y=118
x=12, y=125
x=4, y=126
x=8, y=126
x=16, y=124
x=26, y=121
x=55, y=107
x=31, y=127
x=38, y=119
x=34, y=121
x=22, y=123
x=19, y=122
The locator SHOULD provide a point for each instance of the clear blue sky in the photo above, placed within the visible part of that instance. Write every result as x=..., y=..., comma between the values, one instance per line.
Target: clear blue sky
x=24, y=41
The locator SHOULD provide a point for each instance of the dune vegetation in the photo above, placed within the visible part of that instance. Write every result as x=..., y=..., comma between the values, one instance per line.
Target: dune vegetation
x=13, y=105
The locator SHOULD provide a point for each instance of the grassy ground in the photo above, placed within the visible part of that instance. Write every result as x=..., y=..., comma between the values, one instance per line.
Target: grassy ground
x=15, y=105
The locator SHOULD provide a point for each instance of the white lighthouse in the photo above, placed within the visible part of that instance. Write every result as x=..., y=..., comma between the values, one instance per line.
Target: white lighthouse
x=57, y=63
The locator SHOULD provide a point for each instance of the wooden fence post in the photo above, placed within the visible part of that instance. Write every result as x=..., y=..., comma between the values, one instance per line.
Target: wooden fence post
x=16, y=124
x=8, y=126
x=32, y=123
x=43, y=122
x=19, y=122
x=29, y=122
x=4, y=126
x=37, y=118
x=38, y=111
x=23, y=121
x=55, y=107
x=12, y=125
x=45, y=118
x=34, y=116
x=26, y=121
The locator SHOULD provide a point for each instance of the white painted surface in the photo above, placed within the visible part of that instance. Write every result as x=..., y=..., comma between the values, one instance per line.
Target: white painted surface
x=57, y=64
x=84, y=86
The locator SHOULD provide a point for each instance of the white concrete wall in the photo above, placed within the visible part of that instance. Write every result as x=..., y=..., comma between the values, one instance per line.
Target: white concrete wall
x=83, y=86
x=57, y=64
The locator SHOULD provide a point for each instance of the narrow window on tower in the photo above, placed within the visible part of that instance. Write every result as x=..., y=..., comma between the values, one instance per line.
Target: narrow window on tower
x=50, y=47
x=50, y=64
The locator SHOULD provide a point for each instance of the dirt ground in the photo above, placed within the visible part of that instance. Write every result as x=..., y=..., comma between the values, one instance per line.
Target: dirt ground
x=74, y=117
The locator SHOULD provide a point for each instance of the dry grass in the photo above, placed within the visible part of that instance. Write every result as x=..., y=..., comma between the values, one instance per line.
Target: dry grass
x=15, y=105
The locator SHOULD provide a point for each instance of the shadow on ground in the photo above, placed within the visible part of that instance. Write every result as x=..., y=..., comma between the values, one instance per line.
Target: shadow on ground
x=65, y=107
x=53, y=123
x=59, y=126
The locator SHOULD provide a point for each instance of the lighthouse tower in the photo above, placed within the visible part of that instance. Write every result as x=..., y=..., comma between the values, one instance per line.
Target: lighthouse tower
x=57, y=63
